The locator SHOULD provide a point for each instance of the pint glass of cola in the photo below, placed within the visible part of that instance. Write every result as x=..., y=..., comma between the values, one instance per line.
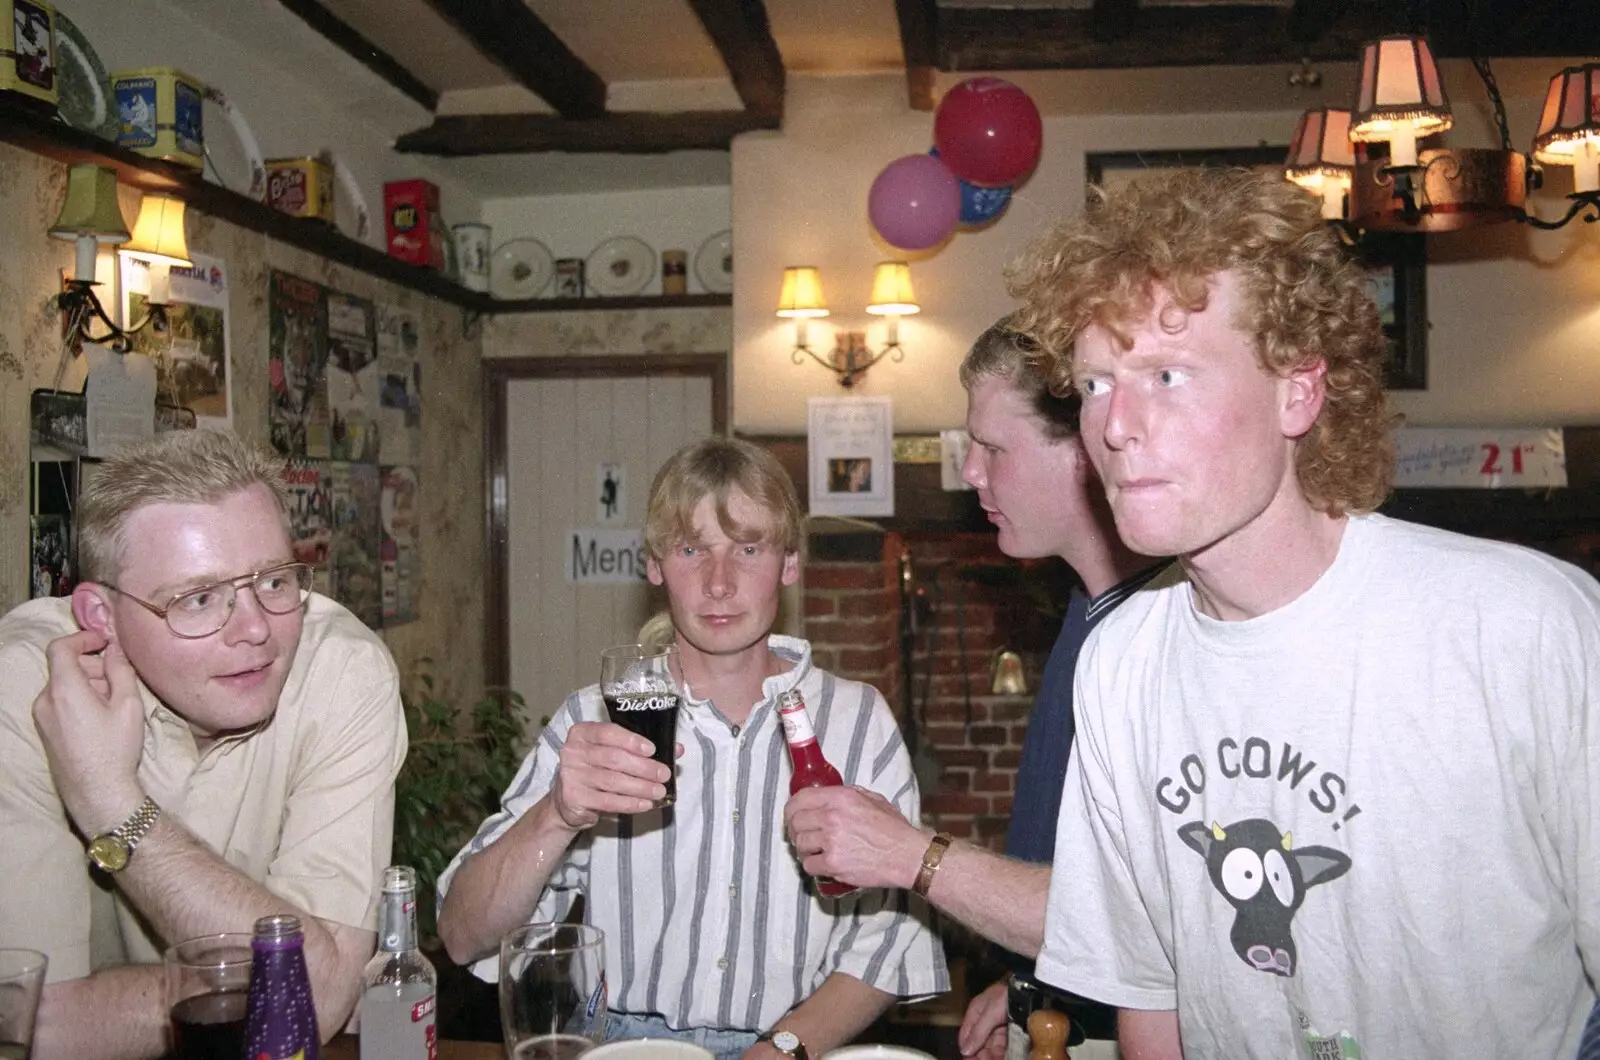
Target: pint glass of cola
x=641, y=694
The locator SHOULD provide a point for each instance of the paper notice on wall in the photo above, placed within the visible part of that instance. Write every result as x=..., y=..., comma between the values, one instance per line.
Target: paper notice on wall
x=850, y=455
x=119, y=399
x=399, y=386
x=1480, y=458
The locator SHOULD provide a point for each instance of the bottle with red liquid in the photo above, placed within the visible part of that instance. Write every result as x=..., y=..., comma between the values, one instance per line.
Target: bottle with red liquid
x=811, y=770
x=280, y=1018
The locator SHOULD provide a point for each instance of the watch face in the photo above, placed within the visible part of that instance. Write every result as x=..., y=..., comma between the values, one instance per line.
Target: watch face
x=786, y=1041
x=109, y=852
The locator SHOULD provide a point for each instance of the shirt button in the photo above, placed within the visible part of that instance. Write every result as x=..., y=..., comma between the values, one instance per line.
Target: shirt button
x=736, y=730
x=733, y=892
x=722, y=963
x=735, y=816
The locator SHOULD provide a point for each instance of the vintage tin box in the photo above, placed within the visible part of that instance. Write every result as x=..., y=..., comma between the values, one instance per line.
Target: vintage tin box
x=301, y=187
x=411, y=218
x=159, y=114
x=28, y=52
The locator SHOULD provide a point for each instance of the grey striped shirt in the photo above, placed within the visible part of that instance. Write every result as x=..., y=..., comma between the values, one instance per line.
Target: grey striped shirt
x=708, y=917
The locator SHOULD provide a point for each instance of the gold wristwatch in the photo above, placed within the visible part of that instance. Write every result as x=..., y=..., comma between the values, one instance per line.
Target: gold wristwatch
x=110, y=851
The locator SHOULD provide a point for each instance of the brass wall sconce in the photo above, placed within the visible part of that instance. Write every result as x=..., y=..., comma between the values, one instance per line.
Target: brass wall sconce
x=801, y=301
x=91, y=218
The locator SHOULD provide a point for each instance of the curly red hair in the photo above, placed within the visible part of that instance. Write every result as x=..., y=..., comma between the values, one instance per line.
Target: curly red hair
x=1305, y=301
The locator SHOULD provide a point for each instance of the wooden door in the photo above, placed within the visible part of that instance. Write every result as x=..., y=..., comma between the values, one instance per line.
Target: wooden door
x=573, y=447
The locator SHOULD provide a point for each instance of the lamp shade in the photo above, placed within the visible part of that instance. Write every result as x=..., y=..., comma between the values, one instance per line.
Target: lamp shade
x=891, y=290
x=1569, y=125
x=1321, y=150
x=158, y=233
x=802, y=293
x=1400, y=98
x=91, y=208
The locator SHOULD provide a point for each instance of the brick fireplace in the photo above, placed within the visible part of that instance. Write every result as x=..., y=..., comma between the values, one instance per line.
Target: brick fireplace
x=971, y=602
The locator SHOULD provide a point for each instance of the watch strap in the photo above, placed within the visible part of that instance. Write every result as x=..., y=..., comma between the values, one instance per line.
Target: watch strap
x=930, y=862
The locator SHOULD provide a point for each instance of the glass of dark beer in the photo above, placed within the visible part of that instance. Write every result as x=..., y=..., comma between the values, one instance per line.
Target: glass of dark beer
x=641, y=693
x=208, y=990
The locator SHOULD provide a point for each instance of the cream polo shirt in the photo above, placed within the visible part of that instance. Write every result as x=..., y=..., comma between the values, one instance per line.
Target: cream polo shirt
x=303, y=805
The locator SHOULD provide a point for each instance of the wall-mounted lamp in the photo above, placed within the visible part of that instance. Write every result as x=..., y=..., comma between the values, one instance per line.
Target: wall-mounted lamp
x=91, y=218
x=892, y=298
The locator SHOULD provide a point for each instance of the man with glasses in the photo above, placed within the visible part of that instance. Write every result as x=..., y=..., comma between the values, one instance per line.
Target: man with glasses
x=192, y=740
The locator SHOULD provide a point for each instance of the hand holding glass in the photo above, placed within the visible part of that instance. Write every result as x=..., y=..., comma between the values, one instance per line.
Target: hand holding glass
x=552, y=991
x=641, y=695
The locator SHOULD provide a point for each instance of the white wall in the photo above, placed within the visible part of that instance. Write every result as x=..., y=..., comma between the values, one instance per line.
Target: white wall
x=299, y=93
x=572, y=226
x=1515, y=314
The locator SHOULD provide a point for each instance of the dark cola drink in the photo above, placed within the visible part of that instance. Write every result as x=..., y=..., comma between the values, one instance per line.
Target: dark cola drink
x=209, y=1026
x=653, y=715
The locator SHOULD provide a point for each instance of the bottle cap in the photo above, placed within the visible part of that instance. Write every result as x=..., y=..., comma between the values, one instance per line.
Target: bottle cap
x=791, y=700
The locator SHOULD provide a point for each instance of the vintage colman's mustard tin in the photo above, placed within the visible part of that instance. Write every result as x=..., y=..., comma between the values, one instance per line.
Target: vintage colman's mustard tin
x=28, y=51
x=159, y=114
x=301, y=187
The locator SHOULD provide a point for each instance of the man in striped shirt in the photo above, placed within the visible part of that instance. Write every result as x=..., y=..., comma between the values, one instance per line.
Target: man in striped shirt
x=714, y=934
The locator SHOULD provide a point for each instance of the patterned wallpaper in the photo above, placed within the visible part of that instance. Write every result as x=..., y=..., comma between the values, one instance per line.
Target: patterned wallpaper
x=587, y=332
x=450, y=630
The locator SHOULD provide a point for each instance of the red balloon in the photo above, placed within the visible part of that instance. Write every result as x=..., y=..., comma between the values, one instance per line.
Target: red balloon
x=988, y=132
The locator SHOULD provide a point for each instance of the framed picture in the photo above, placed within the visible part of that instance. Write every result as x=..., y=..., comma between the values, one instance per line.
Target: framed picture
x=1395, y=261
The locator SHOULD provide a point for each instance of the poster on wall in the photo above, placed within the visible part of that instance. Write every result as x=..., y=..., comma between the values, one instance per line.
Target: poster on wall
x=352, y=379
x=355, y=493
x=297, y=350
x=311, y=518
x=850, y=455
x=194, y=358
x=399, y=386
x=399, y=550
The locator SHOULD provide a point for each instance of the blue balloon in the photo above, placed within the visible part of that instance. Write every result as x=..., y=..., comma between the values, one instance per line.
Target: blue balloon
x=979, y=206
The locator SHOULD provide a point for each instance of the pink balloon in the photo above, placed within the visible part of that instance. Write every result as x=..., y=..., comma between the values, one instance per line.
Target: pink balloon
x=915, y=202
x=988, y=132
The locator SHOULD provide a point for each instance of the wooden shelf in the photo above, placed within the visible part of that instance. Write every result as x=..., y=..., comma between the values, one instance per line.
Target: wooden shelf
x=27, y=128
x=638, y=301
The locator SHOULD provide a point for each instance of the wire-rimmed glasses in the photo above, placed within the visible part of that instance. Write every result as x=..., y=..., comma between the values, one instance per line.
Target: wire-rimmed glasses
x=201, y=612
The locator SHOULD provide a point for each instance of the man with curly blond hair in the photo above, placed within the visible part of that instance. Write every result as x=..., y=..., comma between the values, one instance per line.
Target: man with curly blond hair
x=1333, y=795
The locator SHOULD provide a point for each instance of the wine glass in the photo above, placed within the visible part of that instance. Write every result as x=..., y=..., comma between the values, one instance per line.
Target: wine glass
x=552, y=991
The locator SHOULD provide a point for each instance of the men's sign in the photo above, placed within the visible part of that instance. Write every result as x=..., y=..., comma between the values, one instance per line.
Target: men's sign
x=605, y=556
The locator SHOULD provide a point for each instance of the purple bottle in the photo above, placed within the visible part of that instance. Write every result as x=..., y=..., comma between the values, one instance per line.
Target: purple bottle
x=280, y=1019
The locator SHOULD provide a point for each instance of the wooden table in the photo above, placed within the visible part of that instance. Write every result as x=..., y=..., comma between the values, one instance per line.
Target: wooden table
x=346, y=1047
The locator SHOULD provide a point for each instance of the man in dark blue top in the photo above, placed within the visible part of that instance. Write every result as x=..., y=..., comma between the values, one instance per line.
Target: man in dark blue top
x=1035, y=483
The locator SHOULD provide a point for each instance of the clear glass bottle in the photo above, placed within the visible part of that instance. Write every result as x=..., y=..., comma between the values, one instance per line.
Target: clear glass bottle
x=280, y=1016
x=811, y=769
x=398, y=985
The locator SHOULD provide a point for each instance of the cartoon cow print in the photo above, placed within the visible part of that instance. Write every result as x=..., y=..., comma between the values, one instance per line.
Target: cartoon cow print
x=1265, y=879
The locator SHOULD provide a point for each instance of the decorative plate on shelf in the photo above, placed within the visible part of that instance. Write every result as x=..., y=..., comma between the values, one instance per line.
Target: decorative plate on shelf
x=85, y=85
x=620, y=266
x=350, y=205
x=713, y=263
x=520, y=268
x=236, y=162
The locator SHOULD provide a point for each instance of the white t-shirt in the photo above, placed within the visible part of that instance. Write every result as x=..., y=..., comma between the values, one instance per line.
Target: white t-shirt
x=1365, y=824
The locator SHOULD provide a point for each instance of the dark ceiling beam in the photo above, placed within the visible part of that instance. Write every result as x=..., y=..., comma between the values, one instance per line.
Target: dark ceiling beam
x=347, y=39
x=743, y=36
x=1111, y=20
x=919, y=42
x=634, y=133
x=1041, y=39
x=508, y=32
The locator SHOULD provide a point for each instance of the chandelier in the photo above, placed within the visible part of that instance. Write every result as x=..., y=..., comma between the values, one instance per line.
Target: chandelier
x=1400, y=101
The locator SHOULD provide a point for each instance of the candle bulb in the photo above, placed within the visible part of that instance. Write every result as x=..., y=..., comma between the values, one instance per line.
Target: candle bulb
x=88, y=249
